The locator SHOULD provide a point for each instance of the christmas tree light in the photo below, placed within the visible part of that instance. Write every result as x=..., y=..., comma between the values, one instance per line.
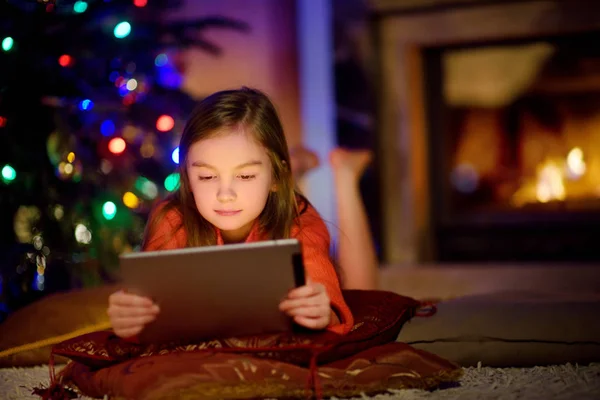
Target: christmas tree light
x=8, y=173
x=86, y=104
x=80, y=6
x=7, y=43
x=109, y=210
x=131, y=84
x=117, y=145
x=65, y=60
x=107, y=128
x=161, y=60
x=122, y=30
x=131, y=200
x=172, y=182
x=165, y=123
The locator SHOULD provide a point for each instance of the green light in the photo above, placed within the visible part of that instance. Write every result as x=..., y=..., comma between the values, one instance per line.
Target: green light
x=8, y=173
x=109, y=210
x=172, y=182
x=122, y=30
x=146, y=187
x=7, y=43
x=140, y=182
x=80, y=6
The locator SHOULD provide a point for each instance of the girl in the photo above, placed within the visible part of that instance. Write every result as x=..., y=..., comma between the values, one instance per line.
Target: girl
x=236, y=186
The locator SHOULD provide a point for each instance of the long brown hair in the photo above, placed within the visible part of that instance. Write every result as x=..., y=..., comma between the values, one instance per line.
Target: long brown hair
x=251, y=110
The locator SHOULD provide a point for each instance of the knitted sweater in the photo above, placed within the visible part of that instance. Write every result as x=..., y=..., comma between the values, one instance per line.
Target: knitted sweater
x=310, y=231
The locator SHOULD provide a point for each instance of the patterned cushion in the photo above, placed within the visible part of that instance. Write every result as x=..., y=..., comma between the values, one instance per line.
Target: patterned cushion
x=191, y=375
x=378, y=317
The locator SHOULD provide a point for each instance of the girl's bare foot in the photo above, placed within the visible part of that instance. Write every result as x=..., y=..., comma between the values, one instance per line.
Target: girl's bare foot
x=302, y=160
x=351, y=163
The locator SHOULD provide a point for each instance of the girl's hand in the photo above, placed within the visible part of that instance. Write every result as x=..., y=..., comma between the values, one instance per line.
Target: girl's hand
x=308, y=305
x=129, y=313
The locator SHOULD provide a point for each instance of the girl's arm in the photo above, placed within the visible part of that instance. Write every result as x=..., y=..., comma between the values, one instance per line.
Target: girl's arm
x=314, y=237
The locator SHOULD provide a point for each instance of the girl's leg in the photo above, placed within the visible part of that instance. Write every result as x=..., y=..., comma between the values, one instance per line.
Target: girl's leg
x=356, y=252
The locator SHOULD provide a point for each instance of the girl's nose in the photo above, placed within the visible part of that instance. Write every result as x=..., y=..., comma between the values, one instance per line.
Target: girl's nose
x=226, y=194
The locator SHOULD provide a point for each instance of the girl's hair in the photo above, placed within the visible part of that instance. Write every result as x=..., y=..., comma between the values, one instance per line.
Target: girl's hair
x=252, y=111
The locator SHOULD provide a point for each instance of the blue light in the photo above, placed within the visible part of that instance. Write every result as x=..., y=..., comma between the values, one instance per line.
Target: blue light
x=123, y=90
x=107, y=128
x=113, y=76
x=38, y=282
x=175, y=155
x=161, y=60
x=168, y=76
x=123, y=29
x=86, y=104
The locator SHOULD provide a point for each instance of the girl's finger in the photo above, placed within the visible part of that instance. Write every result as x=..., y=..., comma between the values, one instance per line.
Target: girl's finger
x=129, y=332
x=132, y=312
x=311, y=323
x=132, y=322
x=302, y=291
x=288, y=304
x=313, y=312
x=129, y=300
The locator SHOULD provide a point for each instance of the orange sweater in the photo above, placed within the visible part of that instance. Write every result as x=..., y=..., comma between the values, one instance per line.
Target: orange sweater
x=311, y=232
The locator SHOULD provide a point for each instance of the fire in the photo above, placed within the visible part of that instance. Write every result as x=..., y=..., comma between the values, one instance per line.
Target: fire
x=575, y=164
x=550, y=182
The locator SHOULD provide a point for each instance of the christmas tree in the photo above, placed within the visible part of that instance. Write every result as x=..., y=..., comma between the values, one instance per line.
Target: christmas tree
x=90, y=116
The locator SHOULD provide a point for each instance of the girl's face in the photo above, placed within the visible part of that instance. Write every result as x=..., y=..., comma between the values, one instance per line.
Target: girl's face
x=231, y=177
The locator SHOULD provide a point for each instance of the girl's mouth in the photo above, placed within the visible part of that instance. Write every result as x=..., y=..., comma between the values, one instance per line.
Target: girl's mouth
x=228, y=213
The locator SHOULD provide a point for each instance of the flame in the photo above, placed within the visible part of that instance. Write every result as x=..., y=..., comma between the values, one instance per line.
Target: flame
x=550, y=184
x=575, y=164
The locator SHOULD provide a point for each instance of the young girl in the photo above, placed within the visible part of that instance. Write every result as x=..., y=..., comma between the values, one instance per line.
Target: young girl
x=236, y=186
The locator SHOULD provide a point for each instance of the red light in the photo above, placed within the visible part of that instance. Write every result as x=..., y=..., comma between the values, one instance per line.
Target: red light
x=165, y=123
x=65, y=60
x=140, y=3
x=2, y=122
x=129, y=99
x=116, y=145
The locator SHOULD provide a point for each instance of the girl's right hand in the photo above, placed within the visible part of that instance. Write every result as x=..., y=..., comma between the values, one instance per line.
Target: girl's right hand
x=129, y=313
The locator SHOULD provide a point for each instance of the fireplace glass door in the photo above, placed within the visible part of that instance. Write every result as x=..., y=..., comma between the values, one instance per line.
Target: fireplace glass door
x=515, y=149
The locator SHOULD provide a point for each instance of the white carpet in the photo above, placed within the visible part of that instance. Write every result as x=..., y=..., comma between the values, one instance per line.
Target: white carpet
x=563, y=382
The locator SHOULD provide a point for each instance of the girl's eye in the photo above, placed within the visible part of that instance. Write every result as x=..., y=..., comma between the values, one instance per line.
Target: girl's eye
x=206, y=178
x=246, y=177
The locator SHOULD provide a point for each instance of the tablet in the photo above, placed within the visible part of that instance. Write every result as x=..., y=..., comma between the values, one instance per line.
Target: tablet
x=215, y=291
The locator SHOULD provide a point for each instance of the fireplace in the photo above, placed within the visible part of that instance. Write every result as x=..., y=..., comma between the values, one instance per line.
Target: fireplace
x=514, y=137
x=489, y=131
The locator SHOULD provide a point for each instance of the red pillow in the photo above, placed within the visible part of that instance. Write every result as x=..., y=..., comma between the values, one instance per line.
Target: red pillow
x=228, y=376
x=378, y=318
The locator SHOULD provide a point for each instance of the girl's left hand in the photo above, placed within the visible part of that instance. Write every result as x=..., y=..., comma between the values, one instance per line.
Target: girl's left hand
x=308, y=305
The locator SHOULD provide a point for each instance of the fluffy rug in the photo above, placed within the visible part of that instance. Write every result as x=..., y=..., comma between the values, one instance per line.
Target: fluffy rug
x=553, y=382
